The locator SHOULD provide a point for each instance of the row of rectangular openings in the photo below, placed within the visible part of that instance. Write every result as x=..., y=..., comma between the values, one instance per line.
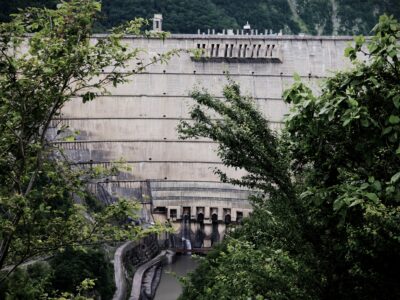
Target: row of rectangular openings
x=173, y=213
x=244, y=50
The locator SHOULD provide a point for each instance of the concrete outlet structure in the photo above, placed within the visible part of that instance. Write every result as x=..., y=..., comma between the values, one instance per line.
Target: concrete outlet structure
x=137, y=121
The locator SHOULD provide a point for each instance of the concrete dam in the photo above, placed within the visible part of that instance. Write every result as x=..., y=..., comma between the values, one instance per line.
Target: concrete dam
x=137, y=122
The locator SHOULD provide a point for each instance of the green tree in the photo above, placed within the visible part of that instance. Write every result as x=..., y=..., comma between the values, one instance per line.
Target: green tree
x=31, y=282
x=71, y=267
x=267, y=257
x=46, y=58
x=328, y=225
x=65, y=276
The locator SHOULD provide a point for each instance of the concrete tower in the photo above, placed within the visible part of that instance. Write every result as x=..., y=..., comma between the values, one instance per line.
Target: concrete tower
x=157, y=22
x=247, y=28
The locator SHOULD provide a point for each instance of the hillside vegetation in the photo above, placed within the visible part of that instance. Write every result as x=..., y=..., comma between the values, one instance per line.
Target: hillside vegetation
x=324, y=17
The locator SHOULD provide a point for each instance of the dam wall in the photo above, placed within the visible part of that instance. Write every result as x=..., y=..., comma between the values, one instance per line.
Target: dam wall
x=137, y=121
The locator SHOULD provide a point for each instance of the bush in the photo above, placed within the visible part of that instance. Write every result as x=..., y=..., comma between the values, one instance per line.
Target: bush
x=71, y=267
x=28, y=283
x=63, y=273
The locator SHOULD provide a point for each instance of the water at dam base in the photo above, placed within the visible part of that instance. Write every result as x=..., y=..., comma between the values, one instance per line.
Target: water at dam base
x=169, y=287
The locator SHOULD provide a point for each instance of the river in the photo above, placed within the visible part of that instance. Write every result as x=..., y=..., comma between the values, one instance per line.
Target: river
x=169, y=287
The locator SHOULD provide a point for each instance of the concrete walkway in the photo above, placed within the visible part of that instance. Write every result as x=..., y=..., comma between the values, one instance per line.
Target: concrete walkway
x=138, y=277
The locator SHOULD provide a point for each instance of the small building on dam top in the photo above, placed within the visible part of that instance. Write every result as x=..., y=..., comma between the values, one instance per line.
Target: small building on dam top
x=136, y=122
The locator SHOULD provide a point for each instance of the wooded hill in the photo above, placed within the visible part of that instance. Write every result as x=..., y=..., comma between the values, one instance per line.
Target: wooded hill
x=326, y=17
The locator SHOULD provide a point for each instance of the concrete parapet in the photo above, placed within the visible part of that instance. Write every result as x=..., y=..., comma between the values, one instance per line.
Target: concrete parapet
x=120, y=271
x=132, y=253
x=137, y=283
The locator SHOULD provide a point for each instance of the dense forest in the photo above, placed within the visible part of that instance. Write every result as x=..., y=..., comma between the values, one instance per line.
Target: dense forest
x=325, y=17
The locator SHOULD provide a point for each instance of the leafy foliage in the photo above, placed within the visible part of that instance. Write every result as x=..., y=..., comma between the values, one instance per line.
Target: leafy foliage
x=71, y=274
x=328, y=227
x=72, y=267
x=31, y=282
x=269, y=247
x=40, y=192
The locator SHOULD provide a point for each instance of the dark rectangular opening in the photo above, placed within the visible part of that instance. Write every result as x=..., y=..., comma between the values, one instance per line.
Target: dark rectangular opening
x=239, y=216
x=267, y=51
x=253, y=51
x=173, y=213
x=160, y=210
x=258, y=50
x=186, y=211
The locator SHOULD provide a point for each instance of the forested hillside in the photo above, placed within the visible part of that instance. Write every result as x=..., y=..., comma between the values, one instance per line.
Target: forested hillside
x=293, y=16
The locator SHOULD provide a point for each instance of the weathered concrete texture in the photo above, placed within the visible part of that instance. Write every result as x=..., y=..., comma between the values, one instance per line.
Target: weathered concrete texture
x=138, y=120
x=141, y=116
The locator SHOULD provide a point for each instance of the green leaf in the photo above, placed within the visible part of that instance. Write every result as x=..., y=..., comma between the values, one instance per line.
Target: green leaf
x=372, y=48
x=396, y=101
x=306, y=194
x=89, y=96
x=387, y=130
x=352, y=102
x=374, y=81
x=377, y=185
x=390, y=189
x=356, y=202
x=395, y=178
x=331, y=115
x=360, y=40
x=350, y=52
x=69, y=138
x=346, y=121
x=338, y=204
x=394, y=119
x=372, y=196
